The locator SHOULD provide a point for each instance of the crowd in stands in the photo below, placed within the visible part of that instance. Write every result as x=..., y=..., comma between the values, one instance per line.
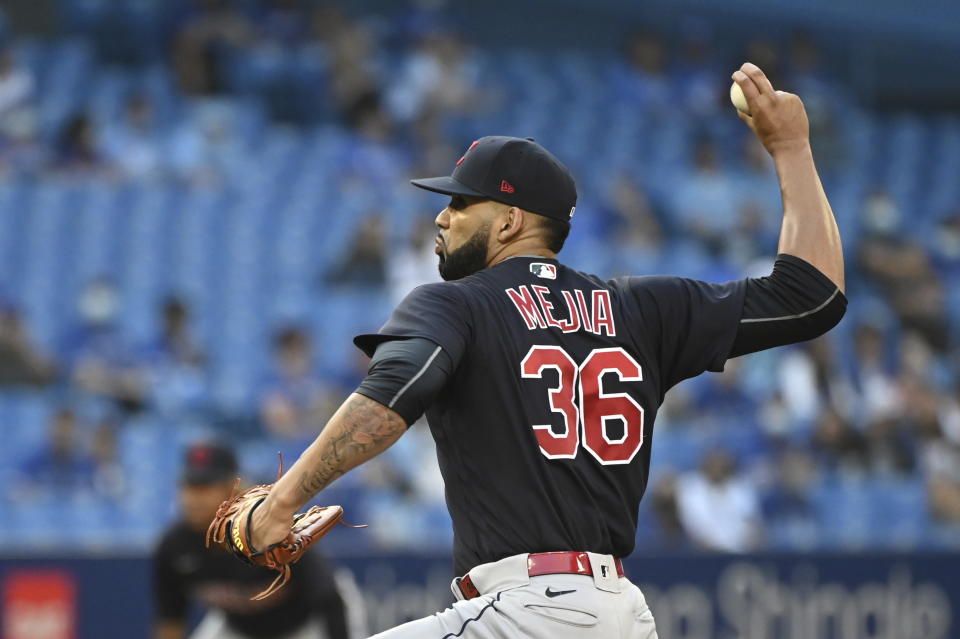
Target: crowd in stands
x=743, y=460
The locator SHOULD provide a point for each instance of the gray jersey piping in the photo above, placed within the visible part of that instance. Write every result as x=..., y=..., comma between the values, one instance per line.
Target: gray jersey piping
x=414, y=378
x=790, y=317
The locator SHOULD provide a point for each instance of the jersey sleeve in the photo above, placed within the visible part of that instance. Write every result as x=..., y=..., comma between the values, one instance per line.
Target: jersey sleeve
x=793, y=304
x=406, y=376
x=690, y=325
x=437, y=312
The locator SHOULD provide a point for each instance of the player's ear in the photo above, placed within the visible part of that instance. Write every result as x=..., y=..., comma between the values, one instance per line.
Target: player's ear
x=509, y=224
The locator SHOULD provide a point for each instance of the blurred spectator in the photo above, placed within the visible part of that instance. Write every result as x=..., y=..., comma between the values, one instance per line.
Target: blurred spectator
x=403, y=493
x=758, y=204
x=891, y=445
x=415, y=262
x=811, y=380
x=945, y=248
x=922, y=407
x=283, y=65
x=206, y=150
x=175, y=362
x=188, y=572
x=750, y=235
x=77, y=147
x=700, y=80
x=100, y=360
x=706, y=206
x=642, y=81
x=62, y=464
x=365, y=262
x=297, y=401
x=903, y=271
x=877, y=385
x=666, y=512
x=719, y=509
x=409, y=470
x=917, y=364
x=21, y=363
x=175, y=344
x=838, y=445
x=633, y=221
x=355, y=83
x=775, y=419
x=387, y=475
x=788, y=498
x=805, y=63
x=374, y=124
x=210, y=31
x=759, y=194
x=944, y=498
x=934, y=419
x=922, y=309
x=949, y=411
x=436, y=79
x=806, y=76
x=766, y=55
x=21, y=150
x=937, y=421
x=109, y=479
x=886, y=255
x=723, y=395
x=16, y=88
x=372, y=162
x=435, y=151
x=132, y=143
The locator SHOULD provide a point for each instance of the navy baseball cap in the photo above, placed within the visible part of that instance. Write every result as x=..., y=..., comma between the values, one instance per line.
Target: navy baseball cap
x=514, y=171
x=208, y=463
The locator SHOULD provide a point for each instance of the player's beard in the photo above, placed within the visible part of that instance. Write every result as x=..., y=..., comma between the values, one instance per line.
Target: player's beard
x=468, y=259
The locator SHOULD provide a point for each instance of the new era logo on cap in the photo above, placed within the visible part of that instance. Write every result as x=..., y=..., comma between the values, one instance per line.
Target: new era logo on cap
x=506, y=187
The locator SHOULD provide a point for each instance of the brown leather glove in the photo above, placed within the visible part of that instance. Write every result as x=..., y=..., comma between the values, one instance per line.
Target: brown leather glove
x=231, y=529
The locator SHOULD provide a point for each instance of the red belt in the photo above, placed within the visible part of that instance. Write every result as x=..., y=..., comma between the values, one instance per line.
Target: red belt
x=545, y=563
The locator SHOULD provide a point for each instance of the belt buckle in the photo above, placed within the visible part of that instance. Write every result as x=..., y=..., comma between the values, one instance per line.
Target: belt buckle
x=455, y=588
x=465, y=587
x=606, y=577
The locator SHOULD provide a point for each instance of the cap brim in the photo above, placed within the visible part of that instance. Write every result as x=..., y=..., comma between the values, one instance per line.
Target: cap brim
x=447, y=185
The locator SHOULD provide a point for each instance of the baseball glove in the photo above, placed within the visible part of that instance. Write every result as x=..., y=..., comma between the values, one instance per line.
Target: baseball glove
x=231, y=529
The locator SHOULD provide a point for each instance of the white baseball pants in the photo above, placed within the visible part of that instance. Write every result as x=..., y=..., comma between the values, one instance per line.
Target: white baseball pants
x=562, y=606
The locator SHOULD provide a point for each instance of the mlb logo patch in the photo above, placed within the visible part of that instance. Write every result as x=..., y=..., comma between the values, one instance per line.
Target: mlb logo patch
x=546, y=271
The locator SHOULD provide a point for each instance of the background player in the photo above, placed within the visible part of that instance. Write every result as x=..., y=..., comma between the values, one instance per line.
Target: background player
x=186, y=571
x=541, y=384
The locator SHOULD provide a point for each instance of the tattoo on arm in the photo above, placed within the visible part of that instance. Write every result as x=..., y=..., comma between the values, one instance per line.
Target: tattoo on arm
x=361, y=429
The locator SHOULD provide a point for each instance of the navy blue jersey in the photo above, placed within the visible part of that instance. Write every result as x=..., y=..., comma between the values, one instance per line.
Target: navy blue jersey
x=544, y=429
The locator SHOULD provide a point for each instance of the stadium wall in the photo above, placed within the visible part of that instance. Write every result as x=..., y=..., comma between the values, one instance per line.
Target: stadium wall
x=775, y=596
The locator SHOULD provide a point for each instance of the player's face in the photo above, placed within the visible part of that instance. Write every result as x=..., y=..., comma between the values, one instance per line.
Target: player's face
x=463, y=236
x=200, y=502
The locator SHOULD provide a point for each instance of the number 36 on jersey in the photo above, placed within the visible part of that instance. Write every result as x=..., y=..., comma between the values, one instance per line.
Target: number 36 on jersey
x=595, y=408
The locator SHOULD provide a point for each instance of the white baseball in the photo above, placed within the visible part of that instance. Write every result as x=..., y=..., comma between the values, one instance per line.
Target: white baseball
x=739, y=100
